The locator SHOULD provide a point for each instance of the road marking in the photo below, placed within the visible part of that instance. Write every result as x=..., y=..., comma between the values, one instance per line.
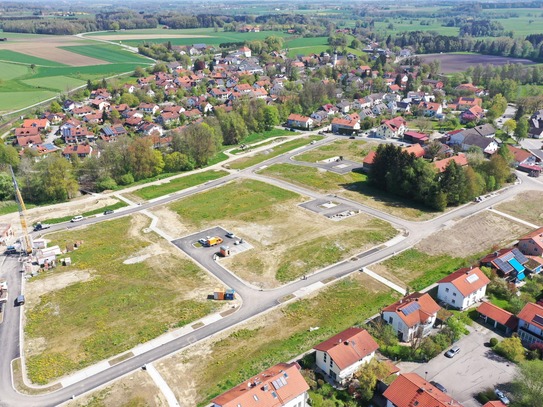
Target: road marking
x=505, y=215
x=162, y=385
x=383, y=280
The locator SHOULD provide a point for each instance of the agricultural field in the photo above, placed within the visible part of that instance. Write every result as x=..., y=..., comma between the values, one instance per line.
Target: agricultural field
x=525, y=206
x=354, y=150
x=305, y=46
x=198, y=374
x=406, y=24
x=353, y=186
x=274, y=151
x=459, y=245
x=36, y=68
x=288, y=241
x=106, y=302
x=453, y=62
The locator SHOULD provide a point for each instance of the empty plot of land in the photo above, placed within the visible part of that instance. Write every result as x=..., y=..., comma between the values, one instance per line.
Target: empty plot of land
x=121, y=37
x=288, y=241
x=354, y=150
x=451, y=63
x=526, y=206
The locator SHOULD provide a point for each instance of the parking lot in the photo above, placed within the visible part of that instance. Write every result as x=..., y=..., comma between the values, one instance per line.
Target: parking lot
x=475, y=368
x=329, y=208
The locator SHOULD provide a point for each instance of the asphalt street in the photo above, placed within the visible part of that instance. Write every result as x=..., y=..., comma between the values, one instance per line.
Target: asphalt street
x=255, y=302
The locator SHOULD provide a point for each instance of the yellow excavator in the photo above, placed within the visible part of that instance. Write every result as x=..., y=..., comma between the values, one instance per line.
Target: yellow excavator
x=27, y=242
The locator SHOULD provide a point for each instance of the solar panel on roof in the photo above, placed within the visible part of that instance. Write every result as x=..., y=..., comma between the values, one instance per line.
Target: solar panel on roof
x=107, y=131
x=521, y=258
x=538, y=319
x=409, y=309
x=472, y=278
x=277, y=384
x=503, y=266
x=507, y=256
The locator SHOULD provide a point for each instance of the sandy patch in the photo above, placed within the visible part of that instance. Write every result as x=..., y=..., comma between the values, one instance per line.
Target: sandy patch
x=473, y=235
x=121, y=37
x=170, y=222
x=47, y=48
x=526, y=206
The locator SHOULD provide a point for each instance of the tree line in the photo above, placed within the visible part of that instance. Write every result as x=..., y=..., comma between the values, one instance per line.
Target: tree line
x=400, y=173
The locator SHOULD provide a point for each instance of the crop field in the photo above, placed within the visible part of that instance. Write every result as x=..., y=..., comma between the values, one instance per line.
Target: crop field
x=109, y=53
x=12, y=56
x=257, y=158
x=198, y=374
x=316, y=45
x=452, y=62
x=106, y=301
x=406, y=24
x=178, y=184
x=55, y=83
x=353, y=186
x=288, y=241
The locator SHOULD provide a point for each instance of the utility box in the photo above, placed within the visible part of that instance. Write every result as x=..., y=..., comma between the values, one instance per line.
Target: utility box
x=218, y=294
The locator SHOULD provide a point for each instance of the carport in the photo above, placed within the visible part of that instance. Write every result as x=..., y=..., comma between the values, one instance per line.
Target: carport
x=500, y=320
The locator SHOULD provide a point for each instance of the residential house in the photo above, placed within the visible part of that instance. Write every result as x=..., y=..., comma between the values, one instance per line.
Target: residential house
x=463, y=288
x=280, y=385
x=434, y=84
x=24, y=141
x=379, y=109
x=530, y=324
x=412, y=316
x=75, y=135
x=149, y=108
x=522, y=156
x=395, y=127
x=81, y=150
x=499, y=319
x=403, y=107
x=441, y=165
x=534, y=264
x=82, y=111
x=148, y=129
x=167, y=118
x=486, y=130
x=536, y=125
x=465, y=103
x=368, y=161
x=299, y=121
x=430, y=109
x=470, y=88
x=414, y=137
x=40, y=124
x=495, y=403
x=473, y=114
x=246, y=51
x=508, y=263
x=471, y=138
x=410, y=390
x=532, y=243
x=344, y=106
x=342, y=355
x=346, y=124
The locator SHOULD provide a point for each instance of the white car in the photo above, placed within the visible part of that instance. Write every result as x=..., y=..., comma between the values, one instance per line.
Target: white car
x=503, y=398
x=77, y=218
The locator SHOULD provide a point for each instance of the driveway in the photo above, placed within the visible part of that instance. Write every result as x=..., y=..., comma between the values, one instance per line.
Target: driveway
x=472, y=370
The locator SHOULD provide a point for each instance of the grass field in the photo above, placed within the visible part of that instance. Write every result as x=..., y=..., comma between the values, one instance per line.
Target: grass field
x=10, y=71
x=101, y=306
x=526, y=206
x=287, y=241
x=55, y=83
x=12, y=56
x=109, y=53
x=178, y=184
x=354, y=150
x=257, y=158
x=277, y=337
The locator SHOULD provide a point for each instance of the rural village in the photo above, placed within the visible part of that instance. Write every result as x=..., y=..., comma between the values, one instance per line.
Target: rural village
x=237, y=223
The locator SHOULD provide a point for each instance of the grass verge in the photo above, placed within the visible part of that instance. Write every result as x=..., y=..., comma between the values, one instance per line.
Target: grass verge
x=354, y=150
x=119, y=204
x=154, y=191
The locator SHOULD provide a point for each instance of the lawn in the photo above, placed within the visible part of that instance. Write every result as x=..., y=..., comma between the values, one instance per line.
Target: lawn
x=109, y=53
x=248, y=200
x=178, y=184
x=10, y=71
x=84, y=72
x=118, y=205
x=7, y=207
x=256, y=137
x=255, y=159
x=56, y=83
x=14, y=100
x=111, y=306
x=277, y=337
x=12, y=56
x=354, y=150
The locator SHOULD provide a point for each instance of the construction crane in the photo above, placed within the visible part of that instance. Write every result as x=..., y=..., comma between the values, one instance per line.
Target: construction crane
x=22, y=214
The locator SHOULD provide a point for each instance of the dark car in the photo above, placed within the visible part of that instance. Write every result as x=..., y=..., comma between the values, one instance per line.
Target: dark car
x=451, y=353
x=108, y=212
x=438, y=386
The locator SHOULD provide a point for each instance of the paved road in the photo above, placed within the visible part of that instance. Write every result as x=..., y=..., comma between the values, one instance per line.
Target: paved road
x=255, y=301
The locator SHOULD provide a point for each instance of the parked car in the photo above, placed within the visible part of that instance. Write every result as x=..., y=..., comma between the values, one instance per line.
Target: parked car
x=438, y=386
x=11, y=250
x=20, y=300
x=108, y=212
x=503, y=398
x=451, y=353
x=202, y=241
x=230, y=234
x=77, y=218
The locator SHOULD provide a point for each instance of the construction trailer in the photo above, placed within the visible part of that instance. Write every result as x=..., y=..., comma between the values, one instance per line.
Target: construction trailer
x=224, y=251
x=222, y=294
x=47, y=257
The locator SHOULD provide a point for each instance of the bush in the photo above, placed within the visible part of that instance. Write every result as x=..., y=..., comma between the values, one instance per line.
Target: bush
x=106, y=184
x=510, y=348
x=493, y=342
x=485, y=396
x=126, y=179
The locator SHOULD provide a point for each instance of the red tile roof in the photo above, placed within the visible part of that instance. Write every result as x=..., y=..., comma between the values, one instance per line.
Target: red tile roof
x=410, y=390
x=519, y=154
x=39, y=123
x=368, y=159
x=298, y=118
x=495, y=403
x=77, y=149
x=284, y=380
x=529, y=312
x=416, y=149
x=428, y=307
x=463, y=281
x=348, y=347
x=536, y=235
x=23, y=141
x=441, y=165
x=497, y=314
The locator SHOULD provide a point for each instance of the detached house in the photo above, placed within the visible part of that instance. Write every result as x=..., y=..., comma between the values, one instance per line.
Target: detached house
x=530, y=324
x=299, y=121
x=347, y=124
x=410, y=390
x=532, y=243
x=342, y=355
x=81, y=150
x=411, y=316
x=279, y=386
x=392, y=128
x=463, y=288
x=508, y=263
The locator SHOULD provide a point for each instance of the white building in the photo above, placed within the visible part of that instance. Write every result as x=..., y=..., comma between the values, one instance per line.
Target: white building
x=530, y=324
x=392, y=128
x=279, y=386
x=411, y=316
x=342, y=355
x=463, y=288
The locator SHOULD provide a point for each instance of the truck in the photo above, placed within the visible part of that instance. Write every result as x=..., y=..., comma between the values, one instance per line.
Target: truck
x=213, y=241
x=41, y=226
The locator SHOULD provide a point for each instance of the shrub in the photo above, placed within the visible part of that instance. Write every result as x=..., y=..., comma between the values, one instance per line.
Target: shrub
x=510, y=348
x=126, y=179
x=493, y=342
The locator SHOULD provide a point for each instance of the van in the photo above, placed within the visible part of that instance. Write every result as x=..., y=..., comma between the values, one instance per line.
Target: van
x=20, y=300
x=77, y=218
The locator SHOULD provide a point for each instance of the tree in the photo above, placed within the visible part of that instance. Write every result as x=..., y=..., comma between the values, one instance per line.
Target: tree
x=368, y=375
x=529, y=382
x=201, y=142
x=51, y=180
x=433, y=149
x=144, y=160
x=423, y=124
x=233, y=127
x=55, y=107
x=6, y=187
x=521, y=131
x=8, y=156
x=509, y=126
x=511, y=348
x=139, y=72
x=177, y=161
x=453, y=183
x=271, y=117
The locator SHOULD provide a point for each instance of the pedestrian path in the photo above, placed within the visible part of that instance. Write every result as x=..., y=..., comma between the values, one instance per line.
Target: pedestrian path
x=513, y=218
x=162, y=385
x=383, y=280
